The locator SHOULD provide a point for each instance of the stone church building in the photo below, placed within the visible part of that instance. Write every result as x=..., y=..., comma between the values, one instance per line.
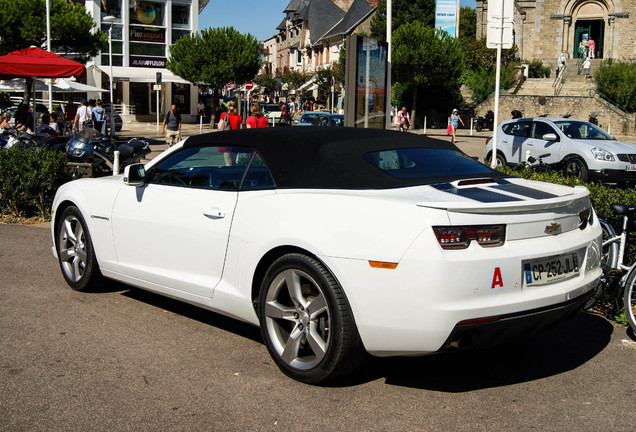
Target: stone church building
x=545, y=28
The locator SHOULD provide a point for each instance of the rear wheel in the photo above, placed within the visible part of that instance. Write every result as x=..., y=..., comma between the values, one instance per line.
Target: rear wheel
x=306, y=321
x=75, y=251
x=629, y=301
x=609, y=261
x=500, y=161
x=576, y=168
x=478, y=127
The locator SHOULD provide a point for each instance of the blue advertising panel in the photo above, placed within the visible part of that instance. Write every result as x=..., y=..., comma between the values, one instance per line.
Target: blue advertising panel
x=446, y=16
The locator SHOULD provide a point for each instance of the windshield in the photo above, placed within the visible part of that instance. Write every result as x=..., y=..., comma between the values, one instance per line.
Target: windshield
x=582, y=130
x=425, y=163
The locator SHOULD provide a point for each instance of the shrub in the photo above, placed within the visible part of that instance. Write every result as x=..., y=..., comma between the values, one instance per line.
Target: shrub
x=602, y=197
x=481, y=81
x=617, y=81
x=29, y=180
x=536, y=69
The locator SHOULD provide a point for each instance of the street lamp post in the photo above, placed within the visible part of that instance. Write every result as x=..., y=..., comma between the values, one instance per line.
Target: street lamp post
x=110, y=19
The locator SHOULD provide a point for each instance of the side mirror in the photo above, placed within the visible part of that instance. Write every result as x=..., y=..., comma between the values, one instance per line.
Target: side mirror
x=135, y=175
x=550, y=137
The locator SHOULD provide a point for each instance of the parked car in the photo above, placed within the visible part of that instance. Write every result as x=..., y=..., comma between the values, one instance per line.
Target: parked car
x=119, y=122
x=580, y=148
x=308, y=117
x=337, y=242
x=273, y=112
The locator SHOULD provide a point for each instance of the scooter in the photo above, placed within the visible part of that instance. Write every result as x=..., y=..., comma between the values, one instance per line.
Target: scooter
x=516, y=114
x=486, y=122
x=11, y=137
x=594, y=118
x=96, y=152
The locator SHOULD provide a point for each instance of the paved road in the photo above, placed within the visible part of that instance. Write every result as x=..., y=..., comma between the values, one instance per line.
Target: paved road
x=125, y=359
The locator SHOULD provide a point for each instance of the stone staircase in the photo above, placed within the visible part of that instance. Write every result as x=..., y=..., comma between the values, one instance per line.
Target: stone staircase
x=573, y=83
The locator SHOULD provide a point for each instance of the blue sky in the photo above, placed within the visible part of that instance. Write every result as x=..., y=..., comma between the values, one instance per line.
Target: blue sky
x=258, y=17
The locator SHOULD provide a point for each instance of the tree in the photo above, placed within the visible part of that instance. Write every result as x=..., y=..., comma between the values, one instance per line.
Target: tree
x=481, y=82
x=426, y=58
x=478, y=55
x=403, y=12
x=266, y=80
x=293, y=78
x=23, y=24
x=467, y=24
x=215, y=57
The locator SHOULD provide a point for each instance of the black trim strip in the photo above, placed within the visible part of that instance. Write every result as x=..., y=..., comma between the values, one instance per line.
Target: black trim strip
x=476, y=194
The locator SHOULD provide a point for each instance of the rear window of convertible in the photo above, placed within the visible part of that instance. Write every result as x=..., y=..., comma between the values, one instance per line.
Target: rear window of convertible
x=425, y=163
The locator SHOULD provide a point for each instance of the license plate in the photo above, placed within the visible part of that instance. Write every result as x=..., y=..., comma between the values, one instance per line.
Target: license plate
x=548, y=270
x=630, y=168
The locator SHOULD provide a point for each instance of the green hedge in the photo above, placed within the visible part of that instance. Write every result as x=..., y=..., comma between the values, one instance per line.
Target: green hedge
x=29, y=180
x=602, y=197
x=536, y=69
x=617, y=81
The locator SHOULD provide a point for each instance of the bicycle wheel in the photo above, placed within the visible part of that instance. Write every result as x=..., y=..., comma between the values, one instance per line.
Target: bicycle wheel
x=629, y=300
x=609, y=261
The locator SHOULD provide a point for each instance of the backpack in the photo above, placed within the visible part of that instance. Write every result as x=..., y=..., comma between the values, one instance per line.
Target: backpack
x=225, y=125
x=98, y=114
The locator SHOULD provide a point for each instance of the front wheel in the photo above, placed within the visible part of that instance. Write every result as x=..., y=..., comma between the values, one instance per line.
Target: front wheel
x=629, y=300
x=478, y=127
x=500, y=160
x=576, y=168
x=75, y=251
x=306, y=321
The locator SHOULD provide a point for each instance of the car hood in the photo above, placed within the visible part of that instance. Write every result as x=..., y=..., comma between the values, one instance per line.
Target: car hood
x=609, y=145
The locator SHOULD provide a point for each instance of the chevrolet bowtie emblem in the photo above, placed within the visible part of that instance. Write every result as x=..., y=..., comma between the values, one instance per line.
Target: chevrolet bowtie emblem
x=555, y=228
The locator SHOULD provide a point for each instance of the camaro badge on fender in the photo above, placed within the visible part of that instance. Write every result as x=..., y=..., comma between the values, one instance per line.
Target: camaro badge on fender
x=553, y=229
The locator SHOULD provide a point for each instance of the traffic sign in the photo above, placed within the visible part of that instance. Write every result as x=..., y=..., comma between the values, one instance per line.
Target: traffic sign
x=249, y=85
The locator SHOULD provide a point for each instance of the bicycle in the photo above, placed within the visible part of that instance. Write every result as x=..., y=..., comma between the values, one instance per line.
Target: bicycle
x=618, y=280
x=534, y=164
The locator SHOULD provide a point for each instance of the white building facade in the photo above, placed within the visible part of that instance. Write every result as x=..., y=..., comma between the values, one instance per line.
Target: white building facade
x=141, y=37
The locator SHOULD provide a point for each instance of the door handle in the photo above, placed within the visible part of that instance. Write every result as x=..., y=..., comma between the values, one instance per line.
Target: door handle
x=214, y=213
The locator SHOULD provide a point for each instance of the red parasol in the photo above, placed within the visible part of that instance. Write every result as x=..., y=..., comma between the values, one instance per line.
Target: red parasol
x=35, y=62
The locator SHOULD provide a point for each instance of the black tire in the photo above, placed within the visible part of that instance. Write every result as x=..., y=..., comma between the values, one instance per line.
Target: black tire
x=478, y=127
x=501, y=160
x=629, y=300
x=609, y=261
x=312, y=346
x=576, y=168
x=75, y=251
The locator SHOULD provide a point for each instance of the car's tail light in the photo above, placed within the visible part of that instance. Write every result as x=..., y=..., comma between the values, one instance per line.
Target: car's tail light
x=488, y=140
x=459, y=237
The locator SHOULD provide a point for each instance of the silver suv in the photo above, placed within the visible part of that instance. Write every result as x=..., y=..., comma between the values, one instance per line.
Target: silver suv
x=579, y=148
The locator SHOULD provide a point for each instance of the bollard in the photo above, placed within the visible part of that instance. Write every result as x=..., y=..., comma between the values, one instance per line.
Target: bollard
x=200, y=124
x=471, y=125
x=527, y=156
x=116, y=163
x=424, y=125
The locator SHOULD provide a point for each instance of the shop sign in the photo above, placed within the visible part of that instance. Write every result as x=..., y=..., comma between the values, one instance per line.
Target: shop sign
x=144, y=34
x=155, y=62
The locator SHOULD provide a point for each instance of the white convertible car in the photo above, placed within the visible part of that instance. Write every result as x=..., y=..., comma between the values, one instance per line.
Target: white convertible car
x=337, y=242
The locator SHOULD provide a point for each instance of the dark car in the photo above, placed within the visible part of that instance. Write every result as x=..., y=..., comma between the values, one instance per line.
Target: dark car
x=119, y=122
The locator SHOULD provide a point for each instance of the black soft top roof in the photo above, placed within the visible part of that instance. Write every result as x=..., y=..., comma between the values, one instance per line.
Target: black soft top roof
x=324, y=157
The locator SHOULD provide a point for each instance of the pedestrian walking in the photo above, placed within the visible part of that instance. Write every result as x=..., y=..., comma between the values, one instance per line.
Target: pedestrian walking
x=403, y=121
x=455, y=120
x=257, y=119
x=172, y=122
x=586, y=68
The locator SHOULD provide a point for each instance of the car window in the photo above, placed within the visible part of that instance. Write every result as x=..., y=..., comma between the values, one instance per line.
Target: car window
x=582, y=130
x=210, y=167
x=425, y=163
x=308, y=118
x=540, y=128
x=518, y=128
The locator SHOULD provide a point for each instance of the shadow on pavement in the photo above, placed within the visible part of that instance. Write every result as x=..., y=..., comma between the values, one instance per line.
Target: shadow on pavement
x=205, y=316
x=545, y=354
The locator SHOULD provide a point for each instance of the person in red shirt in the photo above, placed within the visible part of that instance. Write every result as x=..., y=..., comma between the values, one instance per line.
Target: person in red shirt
x=236, y=122
x=257, y=119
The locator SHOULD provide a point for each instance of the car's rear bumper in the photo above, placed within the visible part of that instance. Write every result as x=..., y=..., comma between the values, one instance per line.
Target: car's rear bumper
x=491, y=331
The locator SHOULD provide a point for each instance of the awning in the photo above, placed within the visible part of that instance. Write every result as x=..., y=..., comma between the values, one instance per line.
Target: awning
x=17, y=85
x=73, y=86
x=144, y=75
x=307, y=84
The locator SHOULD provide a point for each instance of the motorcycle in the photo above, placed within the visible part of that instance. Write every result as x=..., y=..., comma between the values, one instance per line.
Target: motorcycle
x=11, y=137
x=486, y=122
x=516, y=114
x=89, y=148
x=594, y=118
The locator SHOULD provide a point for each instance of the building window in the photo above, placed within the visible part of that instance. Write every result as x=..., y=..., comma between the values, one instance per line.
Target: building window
x=146, y=13
x=117, y=37
x=178, y=34
x=180, y=16
x=299, y=57
x=112, y=8
x=181, y=97
x=147, y=49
